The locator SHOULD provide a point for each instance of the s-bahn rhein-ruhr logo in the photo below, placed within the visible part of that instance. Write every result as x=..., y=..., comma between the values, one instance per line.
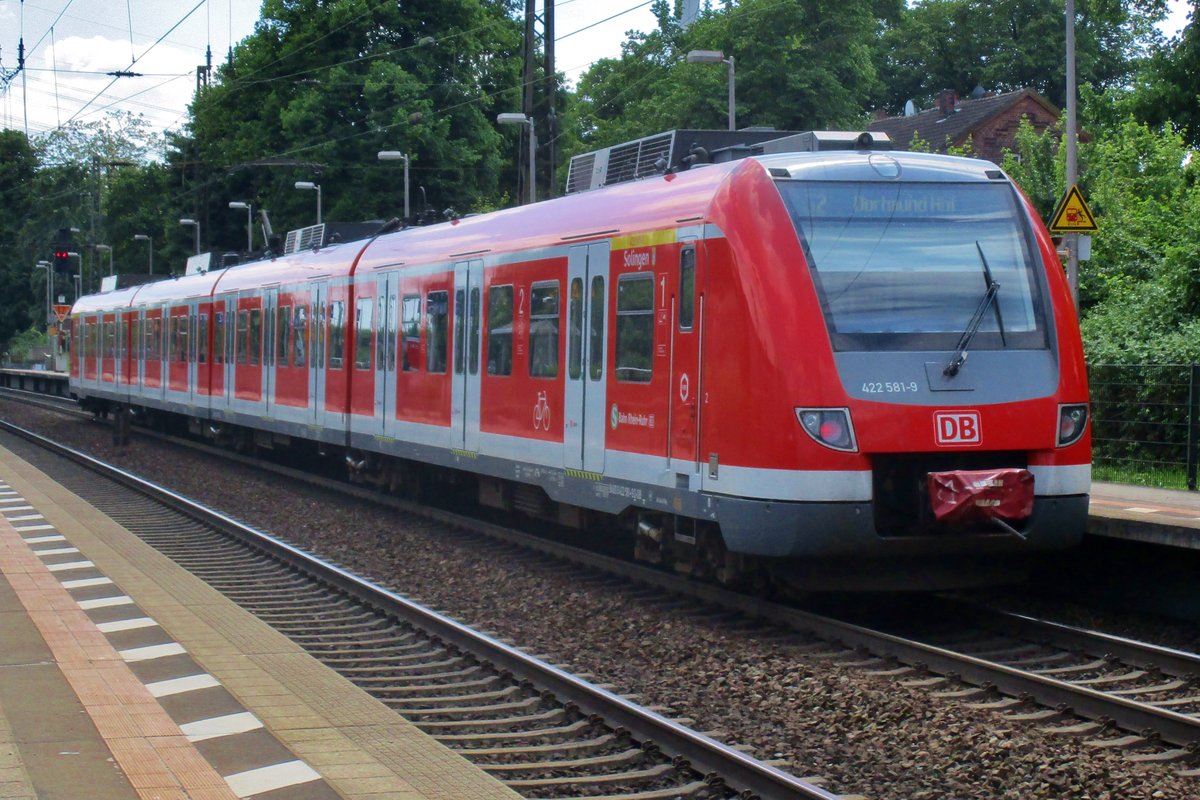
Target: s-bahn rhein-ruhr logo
x=957, y=428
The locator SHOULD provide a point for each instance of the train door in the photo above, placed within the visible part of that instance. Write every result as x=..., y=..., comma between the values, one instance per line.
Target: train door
x=269, y=380
x=583, y=434
x=221, y=375
x=464, y=393
x=137, y=347
x=386, y=287
x=193, y=360
x=108, y=352
x=318, y=298
x=128, y=350
x=686, y=336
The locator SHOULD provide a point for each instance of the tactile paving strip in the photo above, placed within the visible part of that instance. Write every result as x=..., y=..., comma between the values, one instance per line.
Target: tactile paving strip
x=172, y=728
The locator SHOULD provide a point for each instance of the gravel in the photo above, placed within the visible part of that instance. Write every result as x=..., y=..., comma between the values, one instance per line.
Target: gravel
x=863, y=734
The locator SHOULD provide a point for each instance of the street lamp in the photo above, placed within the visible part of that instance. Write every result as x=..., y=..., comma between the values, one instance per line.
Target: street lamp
x=521, y=119
x=394, y=155
x=249, y=223
x=717, y=57
x=78, y=275
x=317, y=188
x=141, y=237
x=104, y=248
x=195, y=223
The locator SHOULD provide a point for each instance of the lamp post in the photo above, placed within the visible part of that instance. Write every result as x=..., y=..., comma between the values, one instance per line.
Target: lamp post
x=718, y=57
x=520, y=119
x=141, y=237
x=394, y=155
x=195, y=224
x=249, y=207
x=78, y=275
x=104, y=248
x=312, y=186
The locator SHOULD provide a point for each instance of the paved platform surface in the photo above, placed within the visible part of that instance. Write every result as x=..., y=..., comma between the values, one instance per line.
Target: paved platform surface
x=1169, y=517
x=124, y=676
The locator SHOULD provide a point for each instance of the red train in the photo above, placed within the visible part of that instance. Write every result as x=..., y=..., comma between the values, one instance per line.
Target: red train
x=850, y=369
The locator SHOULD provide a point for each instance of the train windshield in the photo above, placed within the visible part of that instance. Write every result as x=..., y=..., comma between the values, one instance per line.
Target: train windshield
x=905, y=266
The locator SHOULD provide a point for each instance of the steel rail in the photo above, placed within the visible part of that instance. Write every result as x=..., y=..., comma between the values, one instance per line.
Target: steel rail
x=739, y=771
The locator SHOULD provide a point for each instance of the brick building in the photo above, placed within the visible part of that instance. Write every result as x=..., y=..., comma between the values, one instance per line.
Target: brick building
x=990, y=120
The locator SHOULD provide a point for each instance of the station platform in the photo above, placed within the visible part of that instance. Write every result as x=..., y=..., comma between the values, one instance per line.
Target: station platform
x=1169, y=517
x=122, y=676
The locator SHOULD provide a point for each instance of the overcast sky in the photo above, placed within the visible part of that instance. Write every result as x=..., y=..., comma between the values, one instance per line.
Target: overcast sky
x=165, y=40
x=65, y=71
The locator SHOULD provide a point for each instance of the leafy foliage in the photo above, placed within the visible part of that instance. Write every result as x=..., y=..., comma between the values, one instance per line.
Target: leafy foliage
x=1006, y=45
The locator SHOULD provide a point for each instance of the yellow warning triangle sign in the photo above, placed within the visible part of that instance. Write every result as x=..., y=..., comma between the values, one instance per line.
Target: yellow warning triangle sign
x=1073, y=214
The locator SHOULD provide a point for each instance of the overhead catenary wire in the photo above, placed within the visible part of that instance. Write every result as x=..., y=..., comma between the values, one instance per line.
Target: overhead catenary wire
x=157, y=41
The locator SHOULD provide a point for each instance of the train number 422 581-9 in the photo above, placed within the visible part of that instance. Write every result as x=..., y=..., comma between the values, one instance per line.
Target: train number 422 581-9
x=888, y=387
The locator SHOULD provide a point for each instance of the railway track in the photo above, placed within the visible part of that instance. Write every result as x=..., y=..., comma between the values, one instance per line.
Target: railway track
x=538, y=728
x=1118, y=694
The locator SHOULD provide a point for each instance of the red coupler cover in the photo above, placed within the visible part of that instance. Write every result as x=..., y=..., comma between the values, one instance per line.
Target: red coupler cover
x=970, y=495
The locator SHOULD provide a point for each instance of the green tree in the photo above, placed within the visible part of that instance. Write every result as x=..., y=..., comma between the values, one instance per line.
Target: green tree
x=1012, y=44
x=322, y=85
x=800, y=64
x=18, y=277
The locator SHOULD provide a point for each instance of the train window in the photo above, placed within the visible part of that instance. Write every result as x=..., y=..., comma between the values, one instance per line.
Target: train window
x=256, y=336
x=135, y=336
x=393, y=327
x=411, y=331
x=319, y=331
x=151, y=348
x=300, y=326
x=381, y=320
x=543, y=330
x=575, y=332
x=122, y=341
x=243, y=336
x=337, y=333
x=500, y=330
x=364, y=333
x=437, y=323
x=219, y=337
x=173, y=339
x=687, y=288
x=473, y=333
x=905, y=265
x=283, y=334
x=596, y=330
x=460, y=330
x=202, y=339
x=191, y=337
x=110, y=340
x=635, y=328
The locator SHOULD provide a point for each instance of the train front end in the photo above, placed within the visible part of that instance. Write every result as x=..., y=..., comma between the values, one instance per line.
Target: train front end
x=938, y=391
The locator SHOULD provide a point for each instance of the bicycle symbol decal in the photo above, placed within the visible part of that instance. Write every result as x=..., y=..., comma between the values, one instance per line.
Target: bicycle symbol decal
x=541, y=413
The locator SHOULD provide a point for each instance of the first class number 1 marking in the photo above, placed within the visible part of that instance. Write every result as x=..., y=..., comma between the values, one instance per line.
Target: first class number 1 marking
x=888, y=387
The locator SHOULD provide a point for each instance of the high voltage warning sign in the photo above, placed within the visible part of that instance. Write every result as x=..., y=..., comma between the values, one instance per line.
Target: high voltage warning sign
x=1073, y=214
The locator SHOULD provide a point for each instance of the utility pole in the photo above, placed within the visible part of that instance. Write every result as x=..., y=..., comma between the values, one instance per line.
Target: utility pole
x=1072, y=239
x=527, y=86
x=551, y=91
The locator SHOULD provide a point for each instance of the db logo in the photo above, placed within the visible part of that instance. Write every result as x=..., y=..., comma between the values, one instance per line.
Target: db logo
x=957, y=427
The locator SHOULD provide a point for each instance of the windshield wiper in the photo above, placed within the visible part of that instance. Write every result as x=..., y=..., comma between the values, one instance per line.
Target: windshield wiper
x=989, y=298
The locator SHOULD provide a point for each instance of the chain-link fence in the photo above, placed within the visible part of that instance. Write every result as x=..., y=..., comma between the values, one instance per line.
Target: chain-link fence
x=1144, y=423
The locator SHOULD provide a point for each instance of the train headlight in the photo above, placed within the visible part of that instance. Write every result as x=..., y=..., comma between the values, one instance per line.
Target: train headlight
x=1072, y=421
x=830, y=427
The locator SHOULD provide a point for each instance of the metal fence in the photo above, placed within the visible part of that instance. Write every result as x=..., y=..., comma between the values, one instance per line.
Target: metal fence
x=1145, y=420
